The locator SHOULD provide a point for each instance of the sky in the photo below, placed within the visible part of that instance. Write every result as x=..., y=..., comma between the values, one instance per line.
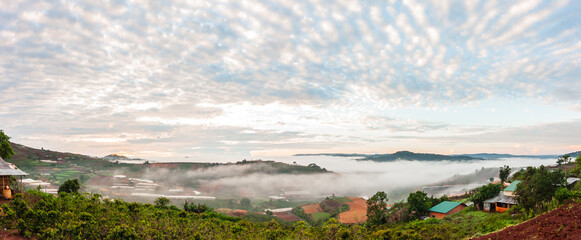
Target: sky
x=208, y=79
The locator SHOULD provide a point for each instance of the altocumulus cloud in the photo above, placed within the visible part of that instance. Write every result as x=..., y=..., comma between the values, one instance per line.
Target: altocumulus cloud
x=168, y=78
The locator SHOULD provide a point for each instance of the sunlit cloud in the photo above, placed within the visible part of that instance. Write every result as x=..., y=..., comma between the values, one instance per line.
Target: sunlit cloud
x=319, y=75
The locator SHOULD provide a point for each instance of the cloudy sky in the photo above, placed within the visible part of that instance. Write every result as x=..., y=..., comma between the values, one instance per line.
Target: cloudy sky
x=212, y=79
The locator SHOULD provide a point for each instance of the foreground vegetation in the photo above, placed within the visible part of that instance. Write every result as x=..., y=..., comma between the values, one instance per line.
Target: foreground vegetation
x=77, y=216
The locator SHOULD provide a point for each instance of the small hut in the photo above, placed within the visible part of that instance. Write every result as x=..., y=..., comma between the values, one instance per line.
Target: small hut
x=8, y=170
x=446, y=208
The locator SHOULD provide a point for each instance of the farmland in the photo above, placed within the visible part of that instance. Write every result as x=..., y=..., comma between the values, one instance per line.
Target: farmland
x=357, y=211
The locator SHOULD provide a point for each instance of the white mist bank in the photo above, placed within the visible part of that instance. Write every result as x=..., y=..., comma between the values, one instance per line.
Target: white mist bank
x=349, y=177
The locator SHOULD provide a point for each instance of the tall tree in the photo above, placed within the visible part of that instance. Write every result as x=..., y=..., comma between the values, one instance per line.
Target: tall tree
x=577, y=169
x=538, y=185
x=504, y=173
x=419, y=204
x=377, y=209
x=6, y=151
x=484, y=192
x=563, y=159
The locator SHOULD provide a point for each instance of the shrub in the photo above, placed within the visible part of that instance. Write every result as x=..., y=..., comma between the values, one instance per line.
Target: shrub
x=562, y=194
x=70, y=186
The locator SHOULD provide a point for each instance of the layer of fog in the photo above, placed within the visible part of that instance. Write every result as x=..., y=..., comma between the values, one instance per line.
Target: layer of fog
x=349, y=177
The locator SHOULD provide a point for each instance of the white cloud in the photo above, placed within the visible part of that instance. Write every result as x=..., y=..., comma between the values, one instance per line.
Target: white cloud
x=320, y=68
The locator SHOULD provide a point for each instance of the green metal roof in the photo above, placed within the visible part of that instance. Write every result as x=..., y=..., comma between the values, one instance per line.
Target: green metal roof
x=444, y=207
x=512, y=186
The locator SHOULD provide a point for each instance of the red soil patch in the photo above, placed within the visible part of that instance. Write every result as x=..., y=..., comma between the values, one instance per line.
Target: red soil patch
x=312, y=208
x=10, y=234
x=286, y=216
x=232, y=212
x=561, y=223
x=357, y=211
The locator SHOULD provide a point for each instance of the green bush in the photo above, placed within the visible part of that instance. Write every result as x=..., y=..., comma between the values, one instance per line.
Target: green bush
x=562, y=194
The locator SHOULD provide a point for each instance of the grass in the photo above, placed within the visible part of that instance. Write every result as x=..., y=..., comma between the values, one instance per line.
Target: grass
x=321, y=216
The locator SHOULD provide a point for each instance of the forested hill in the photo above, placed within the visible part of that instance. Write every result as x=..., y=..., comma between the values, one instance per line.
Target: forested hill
x=497, y=156
x=574, y=154
x=401, y=155
x=407, y=155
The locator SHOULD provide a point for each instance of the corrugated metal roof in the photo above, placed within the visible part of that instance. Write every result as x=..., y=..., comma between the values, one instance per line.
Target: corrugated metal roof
x=7, y=170
x=444, y=207
x=3, y=164
x=12, y=172
x=512, y=186
x=501, y=198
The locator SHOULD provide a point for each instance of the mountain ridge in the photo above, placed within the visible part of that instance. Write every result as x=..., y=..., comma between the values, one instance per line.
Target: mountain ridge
x=408, y=155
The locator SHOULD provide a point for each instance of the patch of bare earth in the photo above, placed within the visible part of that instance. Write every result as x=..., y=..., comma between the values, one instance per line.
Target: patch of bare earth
x=286, y=216
x=357, y=211
x=312, y=208
x=232, y=212
x=10, y=234
x=561, y=223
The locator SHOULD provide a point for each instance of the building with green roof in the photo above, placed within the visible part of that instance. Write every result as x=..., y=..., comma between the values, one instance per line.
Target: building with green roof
x=446, y=208
x=509, y=191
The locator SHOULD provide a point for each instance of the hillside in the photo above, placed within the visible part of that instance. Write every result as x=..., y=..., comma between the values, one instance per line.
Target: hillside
x=218, y=184
x=561, y=223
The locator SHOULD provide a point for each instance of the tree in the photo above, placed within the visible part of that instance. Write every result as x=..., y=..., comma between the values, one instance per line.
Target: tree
x=70, y=186
x=538, y=186
x=245, y=203
x=504, y=173
x=6, y=151
x=377, y=209
x=199, y=208
x=563, y=159
x=162, y=202
x=484, y=192
x=419, y=204
x=577, y=169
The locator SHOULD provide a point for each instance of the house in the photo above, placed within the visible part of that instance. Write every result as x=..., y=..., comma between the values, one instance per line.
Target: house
x=571, y=181
x=499, y=203
x=509, y=191
x=8, y=170
x=503, y=201
x=446, y=208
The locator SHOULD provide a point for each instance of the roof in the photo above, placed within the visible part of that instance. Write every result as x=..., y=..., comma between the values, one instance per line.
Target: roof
x=572, y=180
x=501, y=198
x=444, y=207
x=512, y=186
x=7, y=170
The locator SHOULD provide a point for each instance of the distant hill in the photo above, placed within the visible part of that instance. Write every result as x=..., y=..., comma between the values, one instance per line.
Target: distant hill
x=401, y=155
x=407, y=155
x=574, y=154
x=117, y=157
x=332, y=154
x=497, y=156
